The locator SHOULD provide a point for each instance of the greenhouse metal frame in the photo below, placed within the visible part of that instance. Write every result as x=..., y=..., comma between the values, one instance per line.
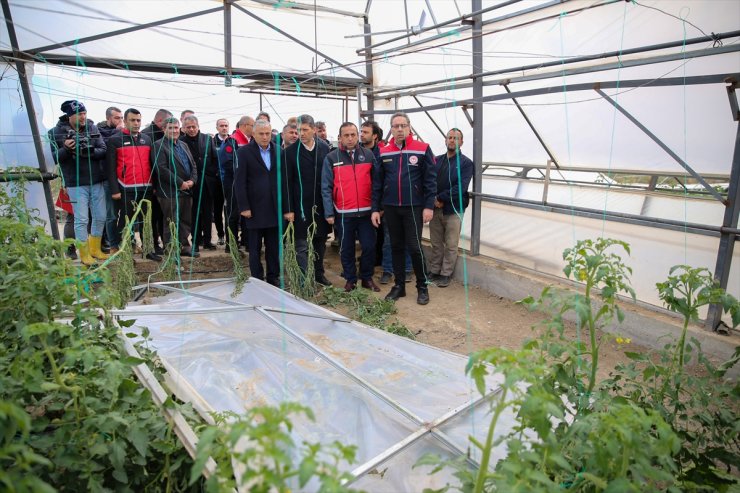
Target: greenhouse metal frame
x=472, y=22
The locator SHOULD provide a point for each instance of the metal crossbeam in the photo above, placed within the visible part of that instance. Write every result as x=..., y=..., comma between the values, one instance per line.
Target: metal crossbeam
x=118, y=32
x=663, y=146
x=296, y=40
x=586, y=86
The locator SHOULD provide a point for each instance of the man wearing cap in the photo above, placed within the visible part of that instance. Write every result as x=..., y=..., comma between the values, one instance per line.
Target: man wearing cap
x=79, y=150
x=176, y=176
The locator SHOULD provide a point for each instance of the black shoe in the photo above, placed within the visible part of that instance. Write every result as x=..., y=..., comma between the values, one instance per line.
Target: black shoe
x=370, y=284
x=386, y=277
x=209, y=246
x=423, y=297
x=396, y=292
x=188, y=253
x=349, y=286
x=154, y=257
x=433, y=277
x=321, y=279
x=158, y=250
x=221, y=240
x=442, y=281
x=72, y=252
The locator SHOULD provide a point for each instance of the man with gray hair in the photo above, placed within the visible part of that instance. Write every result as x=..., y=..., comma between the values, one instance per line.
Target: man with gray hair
x=257, y=194
x=304, y=162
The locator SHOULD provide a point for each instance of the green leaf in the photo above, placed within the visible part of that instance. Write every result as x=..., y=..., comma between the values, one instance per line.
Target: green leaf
x=132, y=361
x=126, y=323
x=139, y=439
x=117, y=455
x=306, y=471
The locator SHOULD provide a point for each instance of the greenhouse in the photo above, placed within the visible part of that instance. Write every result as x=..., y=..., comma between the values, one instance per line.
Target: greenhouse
x=604, y=137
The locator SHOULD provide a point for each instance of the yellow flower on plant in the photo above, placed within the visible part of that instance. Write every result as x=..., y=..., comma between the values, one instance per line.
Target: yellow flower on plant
x=623, y=340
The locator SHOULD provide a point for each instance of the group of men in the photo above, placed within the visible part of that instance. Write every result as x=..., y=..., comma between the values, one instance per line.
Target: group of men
x=260, y=180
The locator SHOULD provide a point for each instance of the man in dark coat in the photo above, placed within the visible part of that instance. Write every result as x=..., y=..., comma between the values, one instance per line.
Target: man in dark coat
x=304, y=162
x=79, y=150
x=258, y=199
x=206, y=160
x=155, y=131
x=454, y=172
x=176, y=176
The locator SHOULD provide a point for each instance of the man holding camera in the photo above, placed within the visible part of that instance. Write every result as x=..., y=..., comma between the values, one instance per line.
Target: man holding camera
x=79, y=150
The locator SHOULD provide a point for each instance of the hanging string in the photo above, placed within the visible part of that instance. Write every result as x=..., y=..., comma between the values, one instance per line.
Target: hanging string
x=614, y=122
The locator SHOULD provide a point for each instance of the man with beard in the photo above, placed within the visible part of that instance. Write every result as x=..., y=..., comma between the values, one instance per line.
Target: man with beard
x=79, y=150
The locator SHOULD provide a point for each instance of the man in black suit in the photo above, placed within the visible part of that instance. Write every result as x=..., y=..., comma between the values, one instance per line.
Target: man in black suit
x=304, y=161
x=257, y=196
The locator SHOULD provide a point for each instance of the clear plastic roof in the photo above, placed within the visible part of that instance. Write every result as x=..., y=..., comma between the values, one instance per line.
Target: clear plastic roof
x=394, y=398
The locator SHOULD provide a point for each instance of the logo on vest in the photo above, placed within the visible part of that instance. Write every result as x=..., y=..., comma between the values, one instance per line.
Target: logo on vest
x=414, y=160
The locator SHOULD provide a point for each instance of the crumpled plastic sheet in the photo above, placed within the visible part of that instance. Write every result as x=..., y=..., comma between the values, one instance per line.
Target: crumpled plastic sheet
x=235, y=360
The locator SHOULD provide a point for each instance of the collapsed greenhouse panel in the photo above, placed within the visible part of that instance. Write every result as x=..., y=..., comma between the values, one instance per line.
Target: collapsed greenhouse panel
x=394, y=398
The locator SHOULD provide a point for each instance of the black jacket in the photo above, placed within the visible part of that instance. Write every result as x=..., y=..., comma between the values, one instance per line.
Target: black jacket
x=256, y=187
x=169, y=173
x=106, y=131
x=204, y=154
x=303, y=185
x=451, y=172
x=153, y=132
x=83, y=168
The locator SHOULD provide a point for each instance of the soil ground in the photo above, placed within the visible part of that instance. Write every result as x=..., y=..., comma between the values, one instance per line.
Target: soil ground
x=459, y=318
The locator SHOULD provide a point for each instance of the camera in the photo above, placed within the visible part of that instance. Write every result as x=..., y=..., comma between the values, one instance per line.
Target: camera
x=84, y=142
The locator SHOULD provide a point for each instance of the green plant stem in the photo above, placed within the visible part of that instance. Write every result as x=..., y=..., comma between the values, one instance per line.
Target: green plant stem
x=592, y=336
x=486, y=458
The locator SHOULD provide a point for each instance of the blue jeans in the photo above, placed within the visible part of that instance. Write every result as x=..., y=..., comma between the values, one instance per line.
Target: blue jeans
x=350, y=229
x=387, y=255
x=112, y=232
x=86, y=197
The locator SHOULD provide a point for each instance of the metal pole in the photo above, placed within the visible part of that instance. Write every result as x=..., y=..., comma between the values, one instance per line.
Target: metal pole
x=227, y=43
x=638, y=220
x=118, y=32
x=475, y=222
x=442, y=24
x=369, y=75
x=660, y=143
x=536, y=133
x=586, y=86
x=296, y=40
x=444, y=136
x=727, y=239
x=20, y=66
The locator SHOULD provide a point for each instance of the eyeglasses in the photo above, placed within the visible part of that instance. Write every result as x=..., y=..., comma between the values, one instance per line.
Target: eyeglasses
x=400, y=125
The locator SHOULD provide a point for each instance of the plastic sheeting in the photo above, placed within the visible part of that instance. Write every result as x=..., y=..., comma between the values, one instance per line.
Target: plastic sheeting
x=366, y=387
